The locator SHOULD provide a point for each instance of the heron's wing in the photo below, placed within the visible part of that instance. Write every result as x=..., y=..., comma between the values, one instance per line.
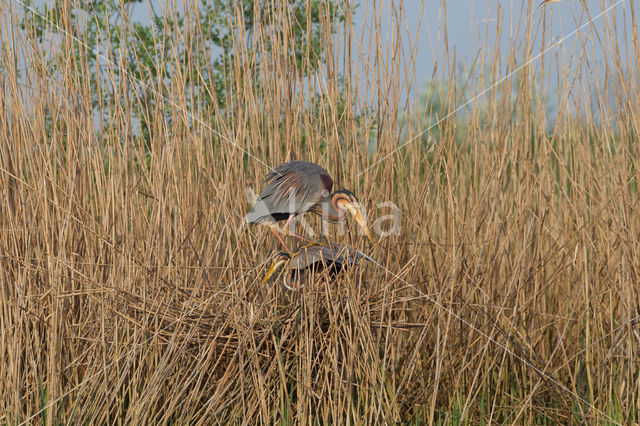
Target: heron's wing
x=358, y=255
x=293, y=188
x=344, y=254
x=308, y=255
x=328, y=254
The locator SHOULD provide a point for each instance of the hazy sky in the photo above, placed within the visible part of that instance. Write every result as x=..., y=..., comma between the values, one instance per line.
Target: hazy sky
x=467, y=20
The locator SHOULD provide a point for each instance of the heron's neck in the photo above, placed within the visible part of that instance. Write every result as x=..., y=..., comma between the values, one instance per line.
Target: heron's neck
x=326, y=209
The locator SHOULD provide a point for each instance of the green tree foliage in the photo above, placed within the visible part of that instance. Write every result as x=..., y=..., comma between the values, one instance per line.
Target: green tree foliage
x=149, y=54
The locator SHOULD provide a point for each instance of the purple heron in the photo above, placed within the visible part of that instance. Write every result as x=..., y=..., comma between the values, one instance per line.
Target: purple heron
x=297, y=187
x=314, y=258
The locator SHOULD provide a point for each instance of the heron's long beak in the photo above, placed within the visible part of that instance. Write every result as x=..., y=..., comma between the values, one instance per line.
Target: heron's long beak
x=274, y=266
x=356, y=213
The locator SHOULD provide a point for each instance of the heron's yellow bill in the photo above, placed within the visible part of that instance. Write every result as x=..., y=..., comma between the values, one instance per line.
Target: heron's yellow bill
x=274, y=266
x=362, y=223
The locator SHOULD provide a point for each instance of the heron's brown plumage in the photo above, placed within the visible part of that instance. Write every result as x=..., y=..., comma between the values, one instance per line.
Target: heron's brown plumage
x=298, y=187
x=313, y=258
x=293, y=188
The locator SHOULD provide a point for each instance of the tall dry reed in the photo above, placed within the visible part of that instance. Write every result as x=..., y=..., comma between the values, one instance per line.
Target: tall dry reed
x=130, y=292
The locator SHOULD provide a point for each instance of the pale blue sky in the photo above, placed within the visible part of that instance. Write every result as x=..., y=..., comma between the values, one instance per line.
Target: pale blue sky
x=468, y=21
x=465, y=21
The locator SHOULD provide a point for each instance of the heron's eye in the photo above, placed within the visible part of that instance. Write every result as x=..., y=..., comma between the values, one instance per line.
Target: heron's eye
x=325, y=193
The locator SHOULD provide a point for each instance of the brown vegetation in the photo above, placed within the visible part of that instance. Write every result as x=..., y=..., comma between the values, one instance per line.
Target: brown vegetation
x=130, y=294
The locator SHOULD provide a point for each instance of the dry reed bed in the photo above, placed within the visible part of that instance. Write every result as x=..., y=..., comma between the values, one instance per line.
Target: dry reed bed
x=130, y=292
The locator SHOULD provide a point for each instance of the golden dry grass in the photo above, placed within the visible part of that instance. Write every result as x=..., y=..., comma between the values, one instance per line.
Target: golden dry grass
x=130, y=292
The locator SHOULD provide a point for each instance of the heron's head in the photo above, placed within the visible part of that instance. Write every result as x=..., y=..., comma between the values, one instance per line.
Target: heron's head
x=345, y=201
x=280, y=259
